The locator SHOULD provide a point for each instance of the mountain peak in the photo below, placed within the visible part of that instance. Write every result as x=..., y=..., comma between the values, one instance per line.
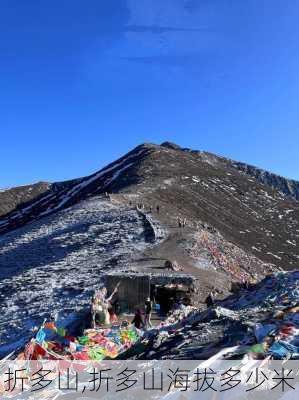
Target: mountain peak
x=171, y=145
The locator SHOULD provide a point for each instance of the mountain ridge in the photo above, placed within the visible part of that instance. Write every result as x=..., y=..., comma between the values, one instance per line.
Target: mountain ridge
x=288, y=186
x=196, y=185
x=13, y=197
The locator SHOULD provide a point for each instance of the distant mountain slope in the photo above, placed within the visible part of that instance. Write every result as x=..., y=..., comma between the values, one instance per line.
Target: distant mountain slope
x=12, y=198
x=65, y=194
x=289, y=187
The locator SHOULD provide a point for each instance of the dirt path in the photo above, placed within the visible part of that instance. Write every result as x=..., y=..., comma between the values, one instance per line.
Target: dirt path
x=173, y=248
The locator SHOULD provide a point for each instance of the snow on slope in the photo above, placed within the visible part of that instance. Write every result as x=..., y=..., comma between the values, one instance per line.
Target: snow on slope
x=66, y=195
x=53, y=265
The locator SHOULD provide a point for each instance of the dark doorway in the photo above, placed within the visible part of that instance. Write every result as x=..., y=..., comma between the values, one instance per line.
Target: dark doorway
x=169, y=297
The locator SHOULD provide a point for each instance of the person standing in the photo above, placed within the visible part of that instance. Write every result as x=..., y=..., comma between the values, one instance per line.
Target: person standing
x=148, y=313
x=210, y=300
x=179, y=222
x=101, y=304
x=138, y=320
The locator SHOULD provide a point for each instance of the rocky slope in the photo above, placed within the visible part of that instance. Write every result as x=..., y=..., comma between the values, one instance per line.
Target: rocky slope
x=240, y=322
x=289, y=187
x=56, y=244
x=198, y=186
x=12, y=198
x=208, y=191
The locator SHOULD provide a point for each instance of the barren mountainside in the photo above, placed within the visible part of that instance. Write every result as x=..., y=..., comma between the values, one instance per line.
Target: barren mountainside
x=202, y=187
x=289, y=187
x=57, y=240
x=13, y=197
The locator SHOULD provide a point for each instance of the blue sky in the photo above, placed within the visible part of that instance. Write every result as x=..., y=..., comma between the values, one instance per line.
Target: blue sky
x=82, y=82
